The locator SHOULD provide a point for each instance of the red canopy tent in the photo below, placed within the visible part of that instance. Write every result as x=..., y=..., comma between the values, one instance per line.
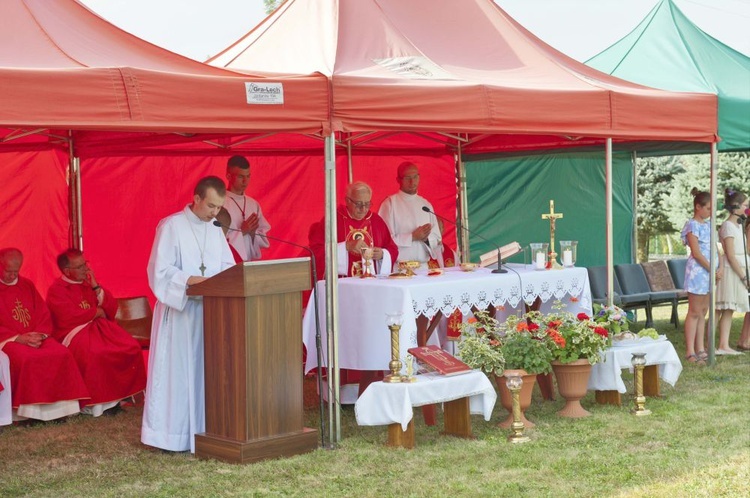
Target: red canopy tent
x=392, y=79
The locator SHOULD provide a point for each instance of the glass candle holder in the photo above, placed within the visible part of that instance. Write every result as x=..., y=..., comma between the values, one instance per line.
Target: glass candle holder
x=539, y=255
x=568, y=249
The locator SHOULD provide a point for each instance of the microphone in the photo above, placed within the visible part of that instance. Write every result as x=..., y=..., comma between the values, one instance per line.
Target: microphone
x=743, y=217
x=499, y=268
x=318, y=340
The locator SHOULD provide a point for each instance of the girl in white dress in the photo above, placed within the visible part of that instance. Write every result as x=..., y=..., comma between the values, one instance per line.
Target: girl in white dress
x=731, y=291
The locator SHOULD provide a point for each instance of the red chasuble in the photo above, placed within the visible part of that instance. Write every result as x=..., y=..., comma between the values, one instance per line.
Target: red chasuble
x=45, y=375
x=109, y=358
x=372, y=229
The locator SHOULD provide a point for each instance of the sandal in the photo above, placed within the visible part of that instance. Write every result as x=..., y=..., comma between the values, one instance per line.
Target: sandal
x=702, y=355
x=694, y=359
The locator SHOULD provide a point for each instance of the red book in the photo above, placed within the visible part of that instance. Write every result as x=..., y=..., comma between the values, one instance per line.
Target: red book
x=440, y=361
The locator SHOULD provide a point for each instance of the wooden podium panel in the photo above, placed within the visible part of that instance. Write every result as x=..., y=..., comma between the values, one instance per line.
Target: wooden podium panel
x=252, y=316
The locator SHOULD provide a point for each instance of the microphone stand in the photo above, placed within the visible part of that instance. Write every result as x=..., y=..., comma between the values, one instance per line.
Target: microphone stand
x=744, y=222
x=318, y=339
x=499, y=268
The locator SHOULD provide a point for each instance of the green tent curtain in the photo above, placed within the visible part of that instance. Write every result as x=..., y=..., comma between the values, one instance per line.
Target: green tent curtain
x=507, y=197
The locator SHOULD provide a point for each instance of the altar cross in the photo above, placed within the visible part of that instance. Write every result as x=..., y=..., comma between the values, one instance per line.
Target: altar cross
x=552, y=216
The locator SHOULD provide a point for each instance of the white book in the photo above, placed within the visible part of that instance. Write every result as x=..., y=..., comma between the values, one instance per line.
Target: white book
x=490, y=258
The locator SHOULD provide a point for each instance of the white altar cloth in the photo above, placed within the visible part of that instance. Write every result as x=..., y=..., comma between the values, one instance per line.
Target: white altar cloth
x=607, y=375
x=364, y=339
x=385, y=404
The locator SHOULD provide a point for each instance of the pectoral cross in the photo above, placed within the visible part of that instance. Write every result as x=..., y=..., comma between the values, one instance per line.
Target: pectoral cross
x=552, y=216
x=202, y=268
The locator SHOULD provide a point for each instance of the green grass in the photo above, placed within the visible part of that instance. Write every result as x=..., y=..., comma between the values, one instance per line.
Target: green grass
x=696, y=443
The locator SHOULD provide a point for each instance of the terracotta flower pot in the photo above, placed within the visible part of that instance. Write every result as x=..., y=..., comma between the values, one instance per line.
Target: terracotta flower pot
x=572, y=382
x=506, y=398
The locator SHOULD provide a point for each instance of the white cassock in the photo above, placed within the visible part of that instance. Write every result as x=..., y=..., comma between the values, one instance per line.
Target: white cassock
x=403, y=213
x=174, y=409
x=240, y=207
x=6, y=403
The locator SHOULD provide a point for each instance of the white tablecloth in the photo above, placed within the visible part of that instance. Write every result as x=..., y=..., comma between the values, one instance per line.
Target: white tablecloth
x=607, y=375
x=364, y=339
x=384, y=404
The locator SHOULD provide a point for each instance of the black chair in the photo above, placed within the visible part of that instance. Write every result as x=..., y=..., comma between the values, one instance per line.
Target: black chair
x=677, y=270
x=598, y=284
x=632, y=286
x=660, y=280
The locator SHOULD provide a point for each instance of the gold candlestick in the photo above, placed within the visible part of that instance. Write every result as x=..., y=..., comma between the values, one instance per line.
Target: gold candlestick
x=639, y=361
x=394, y=321
x=514, y=381
x=552, y=216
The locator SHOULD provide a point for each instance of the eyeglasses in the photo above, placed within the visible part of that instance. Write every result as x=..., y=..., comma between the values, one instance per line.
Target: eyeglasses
x=360, y=205
x=80, y=267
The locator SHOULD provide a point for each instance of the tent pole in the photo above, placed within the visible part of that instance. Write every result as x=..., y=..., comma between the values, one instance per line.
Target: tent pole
x=462, y=241
x=713, y=260
x=634, y=240
x=350, y=168
x=74, y=174
x=610, y=250
x=332, y=298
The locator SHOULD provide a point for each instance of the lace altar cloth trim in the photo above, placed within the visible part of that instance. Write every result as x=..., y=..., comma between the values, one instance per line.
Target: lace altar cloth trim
x=482, y=288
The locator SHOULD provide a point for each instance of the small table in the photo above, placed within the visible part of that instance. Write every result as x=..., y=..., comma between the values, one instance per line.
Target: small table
x=392, y=404
x=662, y=361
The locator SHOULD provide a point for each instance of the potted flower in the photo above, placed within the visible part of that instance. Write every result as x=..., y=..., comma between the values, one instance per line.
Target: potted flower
x=480, y=345
x=577, y=343
x=527, y=354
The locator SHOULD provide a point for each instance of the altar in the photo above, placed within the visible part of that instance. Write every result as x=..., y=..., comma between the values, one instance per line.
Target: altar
x=364, y=340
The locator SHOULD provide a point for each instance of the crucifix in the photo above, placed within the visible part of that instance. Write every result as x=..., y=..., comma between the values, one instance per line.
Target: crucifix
x=202, y=268
x=552, y=216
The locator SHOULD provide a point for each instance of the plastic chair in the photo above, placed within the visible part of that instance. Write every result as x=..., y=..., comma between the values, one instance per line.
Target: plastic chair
x=677, y=270
x=660, y=280
x=598, y=284
x=633, y=280
x=134, y=315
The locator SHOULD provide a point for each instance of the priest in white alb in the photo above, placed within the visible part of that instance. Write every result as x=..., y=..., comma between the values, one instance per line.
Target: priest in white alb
x=248, y=225
x=415, y=231
x=187, y=250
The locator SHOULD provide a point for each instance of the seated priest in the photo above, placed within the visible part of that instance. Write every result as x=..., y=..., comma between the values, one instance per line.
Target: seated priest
x=83, y=314
x=356, y=227
x=44, y=382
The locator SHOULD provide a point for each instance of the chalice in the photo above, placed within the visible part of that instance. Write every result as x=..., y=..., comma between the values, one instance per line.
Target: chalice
x=367, y=255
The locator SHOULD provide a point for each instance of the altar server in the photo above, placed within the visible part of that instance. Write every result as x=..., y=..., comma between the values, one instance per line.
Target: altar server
x=187, y=250
x=43, y=381
x=248, y=221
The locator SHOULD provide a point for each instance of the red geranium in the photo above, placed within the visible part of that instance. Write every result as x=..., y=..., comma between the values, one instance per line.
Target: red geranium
x=533, y=326
x=582, y=316
x=601, y=331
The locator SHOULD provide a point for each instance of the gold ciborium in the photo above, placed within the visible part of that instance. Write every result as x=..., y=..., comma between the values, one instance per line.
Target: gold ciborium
x=367, y=255
x=408, y=267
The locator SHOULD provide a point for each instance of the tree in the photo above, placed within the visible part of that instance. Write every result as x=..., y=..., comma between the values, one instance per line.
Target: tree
x=271, y=5
x=655, y=179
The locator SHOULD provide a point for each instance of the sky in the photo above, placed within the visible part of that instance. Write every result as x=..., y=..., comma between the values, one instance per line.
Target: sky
x=200, y=29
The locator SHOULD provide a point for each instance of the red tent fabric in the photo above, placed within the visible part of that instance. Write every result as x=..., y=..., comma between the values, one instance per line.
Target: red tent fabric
x=460, y=66
x=395, y=79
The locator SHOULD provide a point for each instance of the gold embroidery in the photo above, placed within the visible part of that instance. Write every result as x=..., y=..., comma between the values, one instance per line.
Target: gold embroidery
x=84, y=305
x=21, y=314
x=360, y=234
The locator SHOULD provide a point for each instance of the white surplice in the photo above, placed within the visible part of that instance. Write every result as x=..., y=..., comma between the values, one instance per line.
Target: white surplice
x=240, y=207
x=403, y=213
x=174, y=409
x=6, y=403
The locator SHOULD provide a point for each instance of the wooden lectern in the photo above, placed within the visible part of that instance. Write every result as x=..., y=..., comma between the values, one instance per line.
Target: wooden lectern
x=252, y=316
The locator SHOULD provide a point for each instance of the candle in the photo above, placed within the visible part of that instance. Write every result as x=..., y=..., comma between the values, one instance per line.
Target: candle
x=567, y=257
x=540, y=260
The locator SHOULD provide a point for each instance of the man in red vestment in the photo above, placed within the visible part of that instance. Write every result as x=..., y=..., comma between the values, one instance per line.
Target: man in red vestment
x=45, y=381
x=356, y=227
x=83, y=313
